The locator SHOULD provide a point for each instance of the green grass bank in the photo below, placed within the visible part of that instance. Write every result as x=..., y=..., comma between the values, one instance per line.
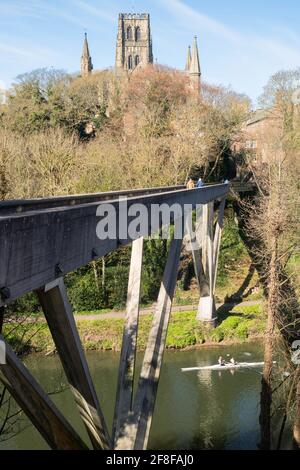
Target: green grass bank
x=241, y=324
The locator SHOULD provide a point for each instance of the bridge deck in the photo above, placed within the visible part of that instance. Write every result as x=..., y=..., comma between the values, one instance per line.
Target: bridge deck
x=42, y=243
x=42, y=240
x=18, y=206
x=25, y=205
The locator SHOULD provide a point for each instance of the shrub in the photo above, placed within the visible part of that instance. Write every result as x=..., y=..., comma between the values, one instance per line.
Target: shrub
x=242, y=331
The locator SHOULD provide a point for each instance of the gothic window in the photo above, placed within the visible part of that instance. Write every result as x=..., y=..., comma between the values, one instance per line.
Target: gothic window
x=130, y=64
x=138, y=33
x=129, y=33
x=137, y=60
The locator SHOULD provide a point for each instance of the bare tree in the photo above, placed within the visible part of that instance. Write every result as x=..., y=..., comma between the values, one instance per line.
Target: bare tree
x=273, y=227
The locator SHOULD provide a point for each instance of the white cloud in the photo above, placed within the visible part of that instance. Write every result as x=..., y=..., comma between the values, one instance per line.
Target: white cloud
x=29, y=53
x=47, y=9
x=16, y=50
x=94, y=11
x=248, y=46
x=286, y=54
x=197, y=19
x=19, y=9
x=39, y=9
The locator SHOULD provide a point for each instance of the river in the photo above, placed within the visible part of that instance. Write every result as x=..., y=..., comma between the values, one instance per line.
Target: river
x=194, y=410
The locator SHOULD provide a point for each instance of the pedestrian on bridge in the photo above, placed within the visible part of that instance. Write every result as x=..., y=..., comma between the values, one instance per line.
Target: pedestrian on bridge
x=200, y=183
x=190, y=184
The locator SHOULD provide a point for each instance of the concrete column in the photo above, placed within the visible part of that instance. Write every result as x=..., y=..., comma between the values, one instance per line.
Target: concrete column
x=207, y=307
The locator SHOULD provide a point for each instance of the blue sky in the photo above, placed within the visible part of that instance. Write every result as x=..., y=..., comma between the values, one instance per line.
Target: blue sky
x=241, y=42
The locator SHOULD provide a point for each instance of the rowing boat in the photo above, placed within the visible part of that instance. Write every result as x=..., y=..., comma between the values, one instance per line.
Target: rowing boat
x=240, y=365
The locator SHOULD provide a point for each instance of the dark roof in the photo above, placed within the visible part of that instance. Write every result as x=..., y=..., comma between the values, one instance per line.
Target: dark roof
x=257, y=116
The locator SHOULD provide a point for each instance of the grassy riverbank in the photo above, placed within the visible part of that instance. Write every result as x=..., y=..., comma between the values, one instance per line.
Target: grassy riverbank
x=106, y=334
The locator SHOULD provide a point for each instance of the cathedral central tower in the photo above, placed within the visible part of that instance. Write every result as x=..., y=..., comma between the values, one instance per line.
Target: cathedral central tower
x=134, y=42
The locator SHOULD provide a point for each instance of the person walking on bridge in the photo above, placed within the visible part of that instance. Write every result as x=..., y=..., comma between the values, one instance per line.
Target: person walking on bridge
x=190, y=184
x=200, y=183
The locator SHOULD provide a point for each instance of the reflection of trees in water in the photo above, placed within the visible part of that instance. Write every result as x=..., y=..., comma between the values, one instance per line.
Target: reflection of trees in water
x=177, y=404
x=229, y=417
x=206, y=410
x=208, y=442
x=212, y=429
x=196, y=415
x=13, y=421
x=192, y=412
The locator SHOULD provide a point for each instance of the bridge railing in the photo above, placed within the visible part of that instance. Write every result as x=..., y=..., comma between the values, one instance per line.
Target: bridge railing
x=24, y=205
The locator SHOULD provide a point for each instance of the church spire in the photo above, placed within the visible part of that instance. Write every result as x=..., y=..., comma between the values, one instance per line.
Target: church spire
x=195, y=70
x=86, y=60
x=188, y=60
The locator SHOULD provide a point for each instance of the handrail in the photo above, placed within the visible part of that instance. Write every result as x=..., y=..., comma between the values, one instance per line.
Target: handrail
x=24, y=205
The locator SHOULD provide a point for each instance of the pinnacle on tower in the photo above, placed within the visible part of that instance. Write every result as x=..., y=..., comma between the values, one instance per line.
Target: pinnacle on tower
x=195, y=70
x=86, y=60
x=188, y=60
x=195, y=62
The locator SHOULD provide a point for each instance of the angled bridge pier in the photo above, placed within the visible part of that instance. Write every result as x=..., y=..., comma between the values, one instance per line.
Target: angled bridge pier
x=41, y=241
x=205, y=257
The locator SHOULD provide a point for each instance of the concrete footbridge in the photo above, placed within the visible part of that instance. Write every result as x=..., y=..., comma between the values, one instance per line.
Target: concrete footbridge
x=42, y=240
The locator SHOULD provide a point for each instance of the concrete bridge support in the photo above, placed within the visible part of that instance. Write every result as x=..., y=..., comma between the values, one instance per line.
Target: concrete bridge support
x=124, y=398
x=205, y=257
x=134, y=433
x=60, y=319
x=36, y=404
x=40, y=242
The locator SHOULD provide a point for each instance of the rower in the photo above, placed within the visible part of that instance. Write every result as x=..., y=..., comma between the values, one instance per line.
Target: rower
x=221, y=361
x=233, y=361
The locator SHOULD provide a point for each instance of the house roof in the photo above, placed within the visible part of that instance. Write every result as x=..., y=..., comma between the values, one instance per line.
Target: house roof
x=257, y=116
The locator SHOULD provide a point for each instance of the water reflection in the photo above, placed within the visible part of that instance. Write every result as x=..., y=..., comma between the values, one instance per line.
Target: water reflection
x=194, y=410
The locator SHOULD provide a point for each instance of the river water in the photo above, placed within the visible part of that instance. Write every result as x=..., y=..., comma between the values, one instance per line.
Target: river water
x=194, y=410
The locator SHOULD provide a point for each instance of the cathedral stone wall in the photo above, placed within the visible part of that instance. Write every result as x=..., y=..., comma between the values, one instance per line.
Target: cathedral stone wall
x=134, y=43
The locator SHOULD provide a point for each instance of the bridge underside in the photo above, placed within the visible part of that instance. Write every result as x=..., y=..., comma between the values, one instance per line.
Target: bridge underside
x=40, y=242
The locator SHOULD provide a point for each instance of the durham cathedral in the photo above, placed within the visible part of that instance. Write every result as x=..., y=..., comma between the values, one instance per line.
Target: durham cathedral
x=134, y=49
